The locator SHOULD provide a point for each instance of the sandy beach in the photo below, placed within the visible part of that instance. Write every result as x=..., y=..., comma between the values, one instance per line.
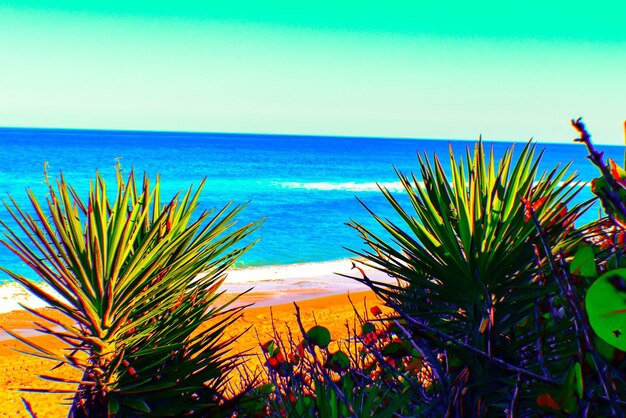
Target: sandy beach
x=272, y=284
x=275, y=290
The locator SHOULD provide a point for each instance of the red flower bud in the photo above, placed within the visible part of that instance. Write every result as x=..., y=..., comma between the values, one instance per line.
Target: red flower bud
x=272, y=362
x=546, y=400
x=535, y=205
x=369, y=338
x=375, y=310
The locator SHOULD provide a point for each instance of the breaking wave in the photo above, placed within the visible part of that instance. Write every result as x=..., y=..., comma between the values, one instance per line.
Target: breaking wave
x=351, y=186
x=348, y=186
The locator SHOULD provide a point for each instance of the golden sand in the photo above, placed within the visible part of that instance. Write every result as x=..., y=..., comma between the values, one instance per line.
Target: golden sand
x=19, y=371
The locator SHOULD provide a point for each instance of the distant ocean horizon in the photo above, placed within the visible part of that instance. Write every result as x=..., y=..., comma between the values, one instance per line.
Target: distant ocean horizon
x=304, y=186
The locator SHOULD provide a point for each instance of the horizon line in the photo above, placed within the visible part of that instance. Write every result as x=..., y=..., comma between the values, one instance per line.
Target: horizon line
x=300, y=135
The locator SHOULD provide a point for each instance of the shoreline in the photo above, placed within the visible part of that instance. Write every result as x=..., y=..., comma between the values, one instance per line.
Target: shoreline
x=262, y=285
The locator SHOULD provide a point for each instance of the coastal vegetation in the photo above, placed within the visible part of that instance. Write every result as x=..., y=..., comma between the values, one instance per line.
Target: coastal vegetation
x=136, y=277
x=503, y=305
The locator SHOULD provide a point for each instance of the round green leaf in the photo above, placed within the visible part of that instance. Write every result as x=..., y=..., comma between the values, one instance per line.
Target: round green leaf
x=584, y=262
x=367, y=327
x=339, y=361
x=395, y=349
x=604, y=349
x=606, y=307
x=319, y=336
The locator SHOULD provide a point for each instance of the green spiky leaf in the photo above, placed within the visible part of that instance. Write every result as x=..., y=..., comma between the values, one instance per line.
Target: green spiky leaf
x=138, y=404
x=136, y=278
x=580, y=385
x=470, y=263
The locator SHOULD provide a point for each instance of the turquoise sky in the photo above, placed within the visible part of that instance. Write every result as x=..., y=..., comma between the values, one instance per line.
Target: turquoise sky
x=507, y=70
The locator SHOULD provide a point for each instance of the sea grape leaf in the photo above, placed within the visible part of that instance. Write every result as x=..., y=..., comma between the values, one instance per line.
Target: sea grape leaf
x=319, y=336
x=603, y=348
x=339, y=361
x=584, y=263
x=367, y=327
x=395, y=349
x=606, y=307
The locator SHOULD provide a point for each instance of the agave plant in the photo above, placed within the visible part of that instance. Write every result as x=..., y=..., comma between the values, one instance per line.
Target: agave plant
x=135, y=278
x=472, y=284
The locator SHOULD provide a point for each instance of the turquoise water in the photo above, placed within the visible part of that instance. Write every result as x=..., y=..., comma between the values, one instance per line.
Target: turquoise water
x=304, y=186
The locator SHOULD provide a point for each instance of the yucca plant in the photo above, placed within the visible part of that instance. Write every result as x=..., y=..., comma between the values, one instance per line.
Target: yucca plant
x=472, y=283
x=135, y=278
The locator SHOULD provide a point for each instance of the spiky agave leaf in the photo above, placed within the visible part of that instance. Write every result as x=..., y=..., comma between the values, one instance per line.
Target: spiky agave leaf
x=136, y=279
x=466, y=263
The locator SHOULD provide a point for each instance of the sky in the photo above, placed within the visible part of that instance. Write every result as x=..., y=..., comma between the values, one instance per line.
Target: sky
x=454, y=70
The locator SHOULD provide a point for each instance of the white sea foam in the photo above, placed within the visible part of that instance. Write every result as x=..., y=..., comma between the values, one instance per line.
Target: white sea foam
x=572, y=184
x=12, y=295
x=352, y=186
x=278, y=279
x=349, y=186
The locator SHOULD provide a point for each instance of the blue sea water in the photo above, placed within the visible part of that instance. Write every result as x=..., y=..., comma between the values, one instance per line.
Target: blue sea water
x=304, y=186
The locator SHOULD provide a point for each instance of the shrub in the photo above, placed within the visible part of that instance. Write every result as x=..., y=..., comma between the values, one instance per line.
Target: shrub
x=136, y=278
x=474, y=291
x=311, y=377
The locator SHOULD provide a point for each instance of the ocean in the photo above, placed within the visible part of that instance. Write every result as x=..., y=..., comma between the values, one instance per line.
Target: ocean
x=304, y=186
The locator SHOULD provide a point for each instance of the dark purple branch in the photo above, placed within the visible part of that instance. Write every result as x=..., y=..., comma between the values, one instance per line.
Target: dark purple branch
x=327, y=378
x=445, y=336
x=595, y=157
x=581, y=322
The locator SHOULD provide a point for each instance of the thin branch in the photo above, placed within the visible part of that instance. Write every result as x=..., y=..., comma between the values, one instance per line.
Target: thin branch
x=497, y=361
x=327, y=377
x=581, y=322
x=595, y=157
